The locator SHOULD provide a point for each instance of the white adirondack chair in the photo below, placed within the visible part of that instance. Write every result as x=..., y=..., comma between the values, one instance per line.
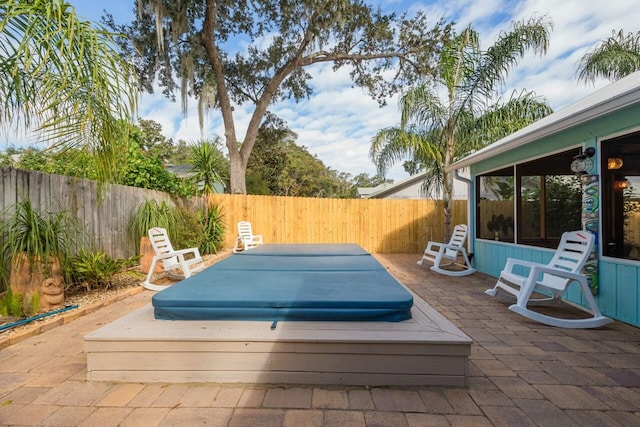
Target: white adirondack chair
x=552, y=279
x=246, y=239
x=446, y=254
x=178, y=264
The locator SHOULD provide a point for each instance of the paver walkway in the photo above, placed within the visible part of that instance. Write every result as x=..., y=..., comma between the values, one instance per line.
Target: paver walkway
x=521, y=374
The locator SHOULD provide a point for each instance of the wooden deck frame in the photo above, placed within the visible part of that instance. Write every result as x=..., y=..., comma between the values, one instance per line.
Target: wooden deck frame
x=426, y=350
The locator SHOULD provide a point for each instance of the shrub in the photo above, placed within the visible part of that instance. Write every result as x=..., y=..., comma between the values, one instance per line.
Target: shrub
x=189, y=229
x=97, y=269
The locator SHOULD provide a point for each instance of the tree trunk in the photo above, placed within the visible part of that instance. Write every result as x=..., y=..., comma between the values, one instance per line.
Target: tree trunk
x=237, y=175
x=447, y=201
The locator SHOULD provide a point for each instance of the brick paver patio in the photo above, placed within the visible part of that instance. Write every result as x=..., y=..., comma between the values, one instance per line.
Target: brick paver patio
x=521, y=374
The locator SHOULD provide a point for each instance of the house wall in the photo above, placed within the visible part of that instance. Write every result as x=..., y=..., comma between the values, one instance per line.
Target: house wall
x=619, y=286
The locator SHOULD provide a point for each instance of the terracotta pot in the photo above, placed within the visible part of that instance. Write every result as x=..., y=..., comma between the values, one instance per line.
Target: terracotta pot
x=42, y=278
x=146, y=257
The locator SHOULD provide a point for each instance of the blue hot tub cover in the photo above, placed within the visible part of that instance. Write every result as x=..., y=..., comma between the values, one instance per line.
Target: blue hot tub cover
x=288, y=287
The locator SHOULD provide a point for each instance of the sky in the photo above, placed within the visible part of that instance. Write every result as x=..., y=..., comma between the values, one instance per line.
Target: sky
x=338, y=121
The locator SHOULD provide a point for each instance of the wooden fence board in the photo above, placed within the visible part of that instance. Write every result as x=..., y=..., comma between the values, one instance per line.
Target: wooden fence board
x=378, y=225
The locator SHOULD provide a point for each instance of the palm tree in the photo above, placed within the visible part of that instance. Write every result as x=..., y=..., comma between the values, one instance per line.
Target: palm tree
x=435, y=132
x=612, y=59
x=64, y=79
x=208, y=165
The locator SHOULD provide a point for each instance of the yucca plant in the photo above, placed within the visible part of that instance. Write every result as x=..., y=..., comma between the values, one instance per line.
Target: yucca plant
x=213, y=222
x=153, y=214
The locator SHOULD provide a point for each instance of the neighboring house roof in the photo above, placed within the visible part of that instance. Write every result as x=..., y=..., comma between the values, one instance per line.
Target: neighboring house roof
x=408, y=188
x=186, y=171
x=616, y=96
x=181, y=171
x=387, y=189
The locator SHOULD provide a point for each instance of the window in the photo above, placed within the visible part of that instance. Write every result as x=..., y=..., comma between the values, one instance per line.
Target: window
x=495, y=195
x=621, y=197
x=547, y=197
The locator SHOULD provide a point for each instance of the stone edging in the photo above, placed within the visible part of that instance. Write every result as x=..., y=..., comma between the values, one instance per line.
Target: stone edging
x=62, y=319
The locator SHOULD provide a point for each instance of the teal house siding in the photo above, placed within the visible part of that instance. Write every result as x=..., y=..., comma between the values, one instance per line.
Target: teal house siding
x=610, y=112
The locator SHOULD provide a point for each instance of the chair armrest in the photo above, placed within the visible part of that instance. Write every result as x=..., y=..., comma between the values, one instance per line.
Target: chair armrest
x=557, y=272
x=180, y=254
x=452, y=247
x=430, y=246
x=513, y=262
x=442, y=246
x=195, y=251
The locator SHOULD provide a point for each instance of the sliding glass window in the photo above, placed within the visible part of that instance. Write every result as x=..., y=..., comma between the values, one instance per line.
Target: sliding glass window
x=547, y=198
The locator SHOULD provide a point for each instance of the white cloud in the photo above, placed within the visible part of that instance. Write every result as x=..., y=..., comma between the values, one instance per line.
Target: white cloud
x=338, y=121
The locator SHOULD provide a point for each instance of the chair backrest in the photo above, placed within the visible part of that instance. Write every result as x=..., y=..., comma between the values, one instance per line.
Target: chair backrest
x=244, y=229
x=571, y=255
x=458, y=238
x=161, y=244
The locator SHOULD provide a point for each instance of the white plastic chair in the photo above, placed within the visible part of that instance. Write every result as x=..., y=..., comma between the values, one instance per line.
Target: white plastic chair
x=552, y=279
x=246, y=239
x=446, y=254
x=177, y=264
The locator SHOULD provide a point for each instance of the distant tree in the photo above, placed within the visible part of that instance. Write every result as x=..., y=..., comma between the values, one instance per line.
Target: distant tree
x=64, y=78
x=269, y=157
x=612, y=59
x=236, y=52
x=154, y=142
x=145, y=170
x=435, y=132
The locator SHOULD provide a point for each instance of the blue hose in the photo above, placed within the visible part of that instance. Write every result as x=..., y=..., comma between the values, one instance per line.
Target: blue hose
x=39, y=316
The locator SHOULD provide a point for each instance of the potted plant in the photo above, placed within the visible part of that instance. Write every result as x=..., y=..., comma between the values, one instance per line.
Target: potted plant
x=34, y=244
x=494, y=225
x=151, y=214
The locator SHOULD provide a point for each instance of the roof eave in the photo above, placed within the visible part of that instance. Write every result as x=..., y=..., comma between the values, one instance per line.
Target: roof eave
x=557, y=122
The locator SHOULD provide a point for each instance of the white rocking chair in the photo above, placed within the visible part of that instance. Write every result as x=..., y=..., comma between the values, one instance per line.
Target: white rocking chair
x=176, y=264
x=446, y=254
x=246, y=239
x=553, y=278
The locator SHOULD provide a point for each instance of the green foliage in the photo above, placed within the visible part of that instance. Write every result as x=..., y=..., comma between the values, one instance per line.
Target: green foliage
x=39, y=235
x=96, y=270
x=280, y=167
x=613, y=59
x=189, y=229
x=153, y=214
x=64, y=78
x=145, y=170
x=141, y=162
x=208, y=165
x=11, y=304
x=213, y=226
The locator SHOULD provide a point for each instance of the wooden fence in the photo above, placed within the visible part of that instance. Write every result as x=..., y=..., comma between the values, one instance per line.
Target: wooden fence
x=105, y=219
x=378, y=225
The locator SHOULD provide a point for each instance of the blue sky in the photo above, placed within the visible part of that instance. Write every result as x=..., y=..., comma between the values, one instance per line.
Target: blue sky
x=338, y=121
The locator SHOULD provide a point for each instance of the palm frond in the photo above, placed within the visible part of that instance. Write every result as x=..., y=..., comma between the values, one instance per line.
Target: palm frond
x=64, y=78
x=614, y=58
x=504, y=54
